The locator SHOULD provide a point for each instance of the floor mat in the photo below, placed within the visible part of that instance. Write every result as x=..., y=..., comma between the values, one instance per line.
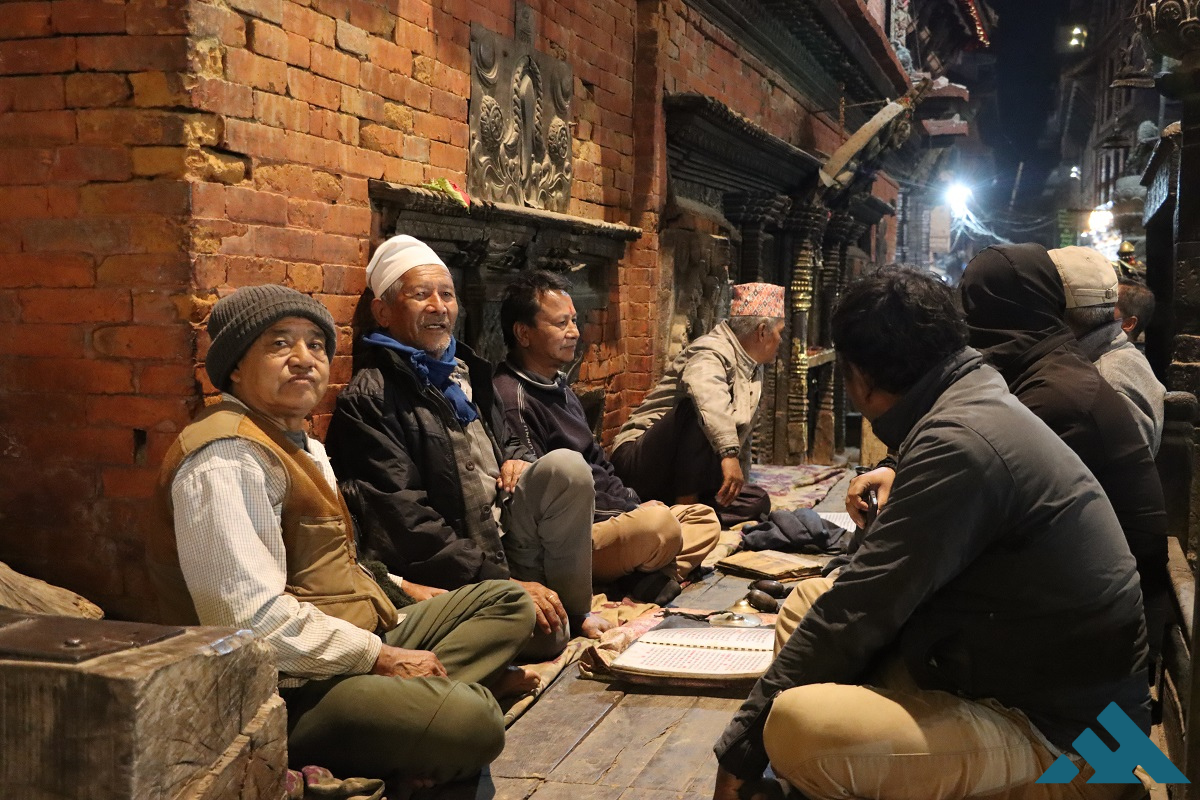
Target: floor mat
x=800, y=486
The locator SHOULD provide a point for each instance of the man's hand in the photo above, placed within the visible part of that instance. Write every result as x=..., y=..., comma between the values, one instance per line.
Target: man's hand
x=510, y=471
x=419, y=592
x=734, y=480
x=856, y=493
x=399, y=663
x=729, y=788
x=550, y=612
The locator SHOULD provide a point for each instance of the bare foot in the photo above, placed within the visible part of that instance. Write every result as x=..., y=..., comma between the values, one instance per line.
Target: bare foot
x=515, y=682
x=593, y=625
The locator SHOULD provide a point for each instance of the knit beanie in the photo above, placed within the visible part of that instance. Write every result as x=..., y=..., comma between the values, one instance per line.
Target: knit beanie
x=238, y=319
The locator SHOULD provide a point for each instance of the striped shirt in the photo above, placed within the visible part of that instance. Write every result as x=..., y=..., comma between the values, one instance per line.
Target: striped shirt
x=228, y=498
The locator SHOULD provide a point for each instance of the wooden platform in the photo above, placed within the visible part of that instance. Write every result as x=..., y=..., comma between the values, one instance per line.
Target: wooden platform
x=587, y=740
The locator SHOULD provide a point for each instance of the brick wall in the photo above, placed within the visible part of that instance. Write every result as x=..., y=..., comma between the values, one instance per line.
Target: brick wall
x=155, y=154
x=95, y=366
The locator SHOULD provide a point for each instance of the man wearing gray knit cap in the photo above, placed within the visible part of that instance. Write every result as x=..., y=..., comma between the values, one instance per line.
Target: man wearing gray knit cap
x=252, y=532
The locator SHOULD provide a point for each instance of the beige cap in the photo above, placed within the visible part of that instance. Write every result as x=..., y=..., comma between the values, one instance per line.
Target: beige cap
x=1088, y=276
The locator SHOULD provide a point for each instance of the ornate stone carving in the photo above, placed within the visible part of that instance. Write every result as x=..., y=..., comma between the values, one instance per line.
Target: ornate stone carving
x=520, y=145
x=1172, y=26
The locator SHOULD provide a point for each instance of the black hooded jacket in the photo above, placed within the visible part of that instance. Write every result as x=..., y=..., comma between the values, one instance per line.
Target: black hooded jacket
x=1014, y=301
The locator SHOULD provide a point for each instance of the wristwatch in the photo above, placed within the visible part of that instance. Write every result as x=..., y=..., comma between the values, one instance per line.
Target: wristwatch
x=730, y=452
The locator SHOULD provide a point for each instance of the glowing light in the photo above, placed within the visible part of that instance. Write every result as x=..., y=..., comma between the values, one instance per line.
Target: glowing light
x=1075, y=172
x=1101, y=219
x=1077, y=30
x=957, y=195
x=1074, y=42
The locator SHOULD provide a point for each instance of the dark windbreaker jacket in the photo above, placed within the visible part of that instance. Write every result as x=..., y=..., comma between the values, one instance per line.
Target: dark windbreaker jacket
x=996, y=569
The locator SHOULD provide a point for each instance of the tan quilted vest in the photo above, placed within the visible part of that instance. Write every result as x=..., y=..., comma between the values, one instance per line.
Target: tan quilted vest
x=322, y=565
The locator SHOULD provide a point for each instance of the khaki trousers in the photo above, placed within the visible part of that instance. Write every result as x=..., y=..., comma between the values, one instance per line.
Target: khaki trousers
x=893, y=740
x=652, y=538
x=441, y=728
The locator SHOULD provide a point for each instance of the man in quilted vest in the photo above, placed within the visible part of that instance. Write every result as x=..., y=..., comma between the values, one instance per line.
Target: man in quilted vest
x=254, y=534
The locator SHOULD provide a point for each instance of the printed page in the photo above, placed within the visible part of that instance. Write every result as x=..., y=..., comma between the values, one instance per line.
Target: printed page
x=666, y=659
x=839, y=518
x=726, y=638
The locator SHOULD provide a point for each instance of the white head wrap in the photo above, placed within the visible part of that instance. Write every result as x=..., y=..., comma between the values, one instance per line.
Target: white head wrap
x=395, y=257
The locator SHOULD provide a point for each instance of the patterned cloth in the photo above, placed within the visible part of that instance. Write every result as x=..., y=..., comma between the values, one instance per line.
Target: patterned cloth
x=801, y=486
x=227, y=499
x=757, y=300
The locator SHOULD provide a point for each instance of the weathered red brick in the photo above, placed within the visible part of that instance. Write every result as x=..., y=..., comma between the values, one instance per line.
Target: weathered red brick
x=165, y=379
x=281, y=112
x=309, y=88
x=305, y=277
x=66, y=375
x=163, y=196
x=159, y=342
x=242, y=66
x=339, y=279
x=307, y=213
x=223, y=97
x=149, y=269
x=270, y=10
x=131, y=53
x=331, y=249
x=75, y=305
x=372, y=18
x=88, y=16
x=130, y=482
x=35, y=93
x=248, y=205
x=334, y=65
x=267, y=40
x=216, y=21
x=285, y=243
x=42, y=270
x=158, y=16
x=298, y=51
x=312, y=26
x=35, y=128
x=25, y=165
x=37, y=55
x=23, y=20
x=250, y=271
x=24, y=202
x=44, y=341
x=84, y=90
x=352, y=38
x=147, y=127
x=208, y=200
x=92, y=164
x=160, y=306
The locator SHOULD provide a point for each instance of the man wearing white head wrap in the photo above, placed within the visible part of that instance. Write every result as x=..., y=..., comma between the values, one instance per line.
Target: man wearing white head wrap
x=443, y=494
x=395, y=257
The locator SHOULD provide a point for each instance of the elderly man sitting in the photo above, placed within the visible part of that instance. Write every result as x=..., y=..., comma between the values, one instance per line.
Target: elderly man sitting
x=254, y=534
x=684, y=443
x=444, y=493
x=657, y=545
x=1091, y=288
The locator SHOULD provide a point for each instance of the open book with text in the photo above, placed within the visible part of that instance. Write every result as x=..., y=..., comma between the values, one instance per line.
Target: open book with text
x=718, y=655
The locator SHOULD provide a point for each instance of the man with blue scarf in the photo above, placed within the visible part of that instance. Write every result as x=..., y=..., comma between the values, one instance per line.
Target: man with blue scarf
x=443, y=494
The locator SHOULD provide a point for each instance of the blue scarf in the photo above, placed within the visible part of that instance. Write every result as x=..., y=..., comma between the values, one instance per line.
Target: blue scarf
x=434, y=372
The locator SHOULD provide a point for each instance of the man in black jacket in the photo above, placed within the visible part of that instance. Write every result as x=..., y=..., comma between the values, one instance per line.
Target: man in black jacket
x=992, y=607
x=442, y=493
x=655, y=544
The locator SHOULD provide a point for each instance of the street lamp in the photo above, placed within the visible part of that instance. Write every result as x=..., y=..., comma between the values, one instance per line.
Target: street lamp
x=957, y=195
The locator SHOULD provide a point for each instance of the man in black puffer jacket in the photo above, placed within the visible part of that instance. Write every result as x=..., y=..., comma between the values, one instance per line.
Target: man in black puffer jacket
x=993, y=606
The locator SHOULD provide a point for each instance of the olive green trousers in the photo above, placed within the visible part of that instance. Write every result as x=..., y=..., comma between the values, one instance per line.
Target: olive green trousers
x=444, y=729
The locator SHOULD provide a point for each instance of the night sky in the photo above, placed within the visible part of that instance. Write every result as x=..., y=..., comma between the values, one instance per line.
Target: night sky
x=1027, y=70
